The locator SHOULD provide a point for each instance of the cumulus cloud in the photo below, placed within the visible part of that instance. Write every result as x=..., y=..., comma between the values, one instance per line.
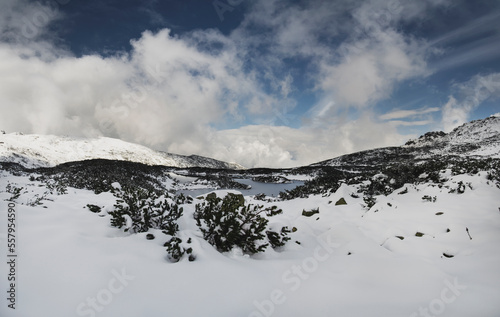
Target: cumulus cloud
x=468, y=96
x=281, y=146
x=172, y=92
x=374, y=58
x=165, y=90
x=368, y=75
x=371, y=56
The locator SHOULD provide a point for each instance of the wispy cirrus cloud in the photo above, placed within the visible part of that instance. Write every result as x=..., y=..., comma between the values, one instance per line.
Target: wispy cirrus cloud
x=401, y=123
x=403, y=114
x=477, y=41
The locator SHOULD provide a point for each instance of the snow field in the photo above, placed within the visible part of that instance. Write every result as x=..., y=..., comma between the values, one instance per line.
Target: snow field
x=350, y=262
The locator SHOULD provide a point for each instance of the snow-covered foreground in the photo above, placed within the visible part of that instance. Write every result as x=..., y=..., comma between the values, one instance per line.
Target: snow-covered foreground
x=405, y=256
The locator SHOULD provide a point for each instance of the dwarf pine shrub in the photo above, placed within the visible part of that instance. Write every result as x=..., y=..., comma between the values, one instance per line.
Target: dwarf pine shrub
x=144, y=210
x=227, y=223
x=176, y=249
x=278, y=239
x=14, y=191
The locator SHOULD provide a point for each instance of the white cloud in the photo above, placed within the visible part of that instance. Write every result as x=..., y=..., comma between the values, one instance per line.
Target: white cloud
x=453, y=114
x=372, y=58
x=371, y=65
x=369, y=58
x=469, y=95
x=169, y=92
x=165, y=91
x=410, y=123
x=402, y=114
x=24, y=21
x=279, y=146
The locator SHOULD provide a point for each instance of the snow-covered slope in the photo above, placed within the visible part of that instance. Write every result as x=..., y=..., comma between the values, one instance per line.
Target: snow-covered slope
x=479, y=138
x=404, y=256
x=48, y=150
x=388, y=232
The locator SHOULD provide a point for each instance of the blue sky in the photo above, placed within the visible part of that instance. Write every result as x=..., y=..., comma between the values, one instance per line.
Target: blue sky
x=263, y=83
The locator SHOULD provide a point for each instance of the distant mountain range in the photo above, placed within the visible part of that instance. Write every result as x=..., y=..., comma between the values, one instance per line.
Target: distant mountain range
x=34, y=151
x=479, y=138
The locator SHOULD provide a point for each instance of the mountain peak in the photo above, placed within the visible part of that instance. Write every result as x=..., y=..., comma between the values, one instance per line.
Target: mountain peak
x=478, y=138
x=483, y=134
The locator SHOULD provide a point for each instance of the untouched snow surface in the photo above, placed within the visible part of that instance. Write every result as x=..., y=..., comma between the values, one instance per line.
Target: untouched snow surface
x=350, y=261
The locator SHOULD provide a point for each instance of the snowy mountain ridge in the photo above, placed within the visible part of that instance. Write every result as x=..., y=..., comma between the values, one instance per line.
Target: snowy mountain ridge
x=33, y=151
x=479, y=138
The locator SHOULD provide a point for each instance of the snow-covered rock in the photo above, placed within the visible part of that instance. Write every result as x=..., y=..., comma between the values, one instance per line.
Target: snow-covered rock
x=477, y=138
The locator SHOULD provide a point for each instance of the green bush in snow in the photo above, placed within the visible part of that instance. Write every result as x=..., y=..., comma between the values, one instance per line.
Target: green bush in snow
x=227, y=223
x=145, y=210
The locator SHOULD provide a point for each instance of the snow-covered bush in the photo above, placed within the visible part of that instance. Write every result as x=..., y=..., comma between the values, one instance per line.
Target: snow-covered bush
x=37, y=200
x=177, y=249
x=227, y=223
x=370, y=201
x=14, y=191
x=99, y=175
x=429, y=198
x=94, y=208
x=182, y=199
x=278, y=239
x=139, y=210
x=57, y=185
